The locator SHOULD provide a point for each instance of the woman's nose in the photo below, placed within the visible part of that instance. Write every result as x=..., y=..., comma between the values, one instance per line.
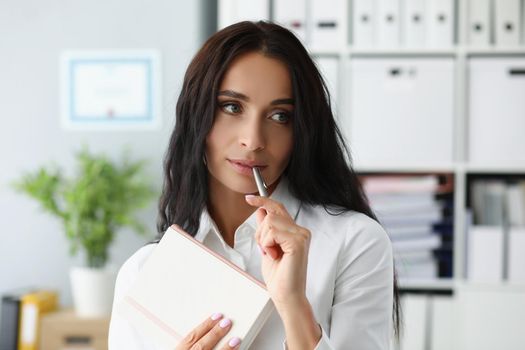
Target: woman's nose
x=252, y=135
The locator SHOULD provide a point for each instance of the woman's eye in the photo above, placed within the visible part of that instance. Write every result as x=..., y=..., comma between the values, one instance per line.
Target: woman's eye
x=281, y=117
x=231, y=108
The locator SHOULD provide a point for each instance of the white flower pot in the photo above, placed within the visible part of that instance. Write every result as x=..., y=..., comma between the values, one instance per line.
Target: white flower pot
x=92, y=290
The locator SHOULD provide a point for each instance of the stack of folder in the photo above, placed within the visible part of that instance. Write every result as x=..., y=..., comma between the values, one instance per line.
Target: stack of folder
x=496, y=234
x=494, y=22
x=416, y=213
x=21, y=314
x=322, y=25
x=403, y=23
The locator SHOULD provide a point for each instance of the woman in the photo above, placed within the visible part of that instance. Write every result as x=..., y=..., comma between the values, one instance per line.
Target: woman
x=252, y=96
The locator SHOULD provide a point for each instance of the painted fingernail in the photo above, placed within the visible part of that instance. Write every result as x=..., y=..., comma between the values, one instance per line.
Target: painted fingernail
x=249, y=196
x=216, y=316
x=225, y=323
x=234, y=342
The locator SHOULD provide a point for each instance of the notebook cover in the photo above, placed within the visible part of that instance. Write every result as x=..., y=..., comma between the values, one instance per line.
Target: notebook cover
x=182, y=283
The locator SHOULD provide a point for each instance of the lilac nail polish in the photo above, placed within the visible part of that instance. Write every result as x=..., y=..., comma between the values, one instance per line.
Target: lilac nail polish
x=234, y=342
x=225, y=323
x=216, y=316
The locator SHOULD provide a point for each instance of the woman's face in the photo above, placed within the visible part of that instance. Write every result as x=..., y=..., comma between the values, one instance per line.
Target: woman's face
x=253, y=123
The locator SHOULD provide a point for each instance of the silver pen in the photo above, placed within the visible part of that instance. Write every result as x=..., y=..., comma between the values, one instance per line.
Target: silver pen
x=261, y=186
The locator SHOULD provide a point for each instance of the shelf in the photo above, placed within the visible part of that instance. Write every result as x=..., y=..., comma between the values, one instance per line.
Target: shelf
x=401, y=52
x=405, y=51
x=458, y=164
x=493, y=169
x=408, y=168
x=442, y=284
x=442, y=168
x=326, y=52
x=494, y=51
x=491, y=287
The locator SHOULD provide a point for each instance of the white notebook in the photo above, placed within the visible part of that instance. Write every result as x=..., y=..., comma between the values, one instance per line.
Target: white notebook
x=182, y=283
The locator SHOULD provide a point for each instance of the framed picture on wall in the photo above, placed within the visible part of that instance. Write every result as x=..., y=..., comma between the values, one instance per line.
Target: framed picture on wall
x=110, y=89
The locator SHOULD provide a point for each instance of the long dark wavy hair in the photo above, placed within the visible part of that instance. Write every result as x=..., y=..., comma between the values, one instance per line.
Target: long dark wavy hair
x=319, y=149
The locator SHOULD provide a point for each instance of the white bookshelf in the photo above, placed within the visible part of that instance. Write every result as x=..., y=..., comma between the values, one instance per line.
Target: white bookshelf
x=446, y=313
x=460, y=166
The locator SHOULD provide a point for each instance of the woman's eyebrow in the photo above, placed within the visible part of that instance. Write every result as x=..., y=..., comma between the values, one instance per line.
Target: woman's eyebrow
x=283, y=101
x=234, y=94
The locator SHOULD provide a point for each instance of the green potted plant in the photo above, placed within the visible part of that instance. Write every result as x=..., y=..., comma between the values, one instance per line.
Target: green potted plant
x=93, y=205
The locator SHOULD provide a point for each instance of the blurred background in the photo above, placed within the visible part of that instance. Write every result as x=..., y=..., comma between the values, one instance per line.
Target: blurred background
x=430, y=95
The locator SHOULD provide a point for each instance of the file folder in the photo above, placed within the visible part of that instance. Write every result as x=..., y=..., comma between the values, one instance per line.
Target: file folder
x=443, y=322
x=182, y=283
x=364, y=19
x=418, y=270
x=32, y=307
x=292, y=15
x=507, y=22
x=388, y=35
x=478, y=26
x=516, y=258
x=488, y=202
x=329, y=24
x=226, y=13
x=485, y=254
x=416, y=319
x=401, y=110
x=233, y=11
x=10, y=317
x=413, y=24
x=496, y=104
x=440, y=20
x=489, y=317
x=515, y=201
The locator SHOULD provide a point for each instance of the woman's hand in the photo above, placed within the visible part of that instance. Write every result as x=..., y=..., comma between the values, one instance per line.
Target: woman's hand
x=206, y=335
x=284, y=246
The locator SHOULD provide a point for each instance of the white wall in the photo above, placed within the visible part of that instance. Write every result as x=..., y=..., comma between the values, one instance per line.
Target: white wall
x=33, y=248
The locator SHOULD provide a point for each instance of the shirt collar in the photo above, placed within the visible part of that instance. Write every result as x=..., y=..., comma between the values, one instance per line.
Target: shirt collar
x=280, y=194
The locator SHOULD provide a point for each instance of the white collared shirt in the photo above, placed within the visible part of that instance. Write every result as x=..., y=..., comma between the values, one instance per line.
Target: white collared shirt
x=349, y=278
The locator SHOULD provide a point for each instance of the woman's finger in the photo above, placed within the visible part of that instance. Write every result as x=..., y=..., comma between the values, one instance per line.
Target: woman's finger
x=276, y=222
x=214, y=335
x=281, y=223
x=270, y=205
x=273, y=222
x=269, y=246
x=260, y=214
x=233, y=343
x=198, y=332
x=275, y=241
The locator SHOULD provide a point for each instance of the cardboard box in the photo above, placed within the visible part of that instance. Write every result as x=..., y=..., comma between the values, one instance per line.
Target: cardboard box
x=63, y=330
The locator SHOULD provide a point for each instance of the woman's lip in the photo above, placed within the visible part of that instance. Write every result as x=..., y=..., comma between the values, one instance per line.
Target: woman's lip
x=243, y=169
x=247, y=164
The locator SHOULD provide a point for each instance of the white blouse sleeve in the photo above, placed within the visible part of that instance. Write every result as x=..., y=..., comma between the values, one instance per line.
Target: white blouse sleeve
x=363, y=296
x=121, y=334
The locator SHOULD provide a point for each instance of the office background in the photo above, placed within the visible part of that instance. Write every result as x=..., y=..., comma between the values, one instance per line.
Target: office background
x=450, y=78
x=33, y=248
